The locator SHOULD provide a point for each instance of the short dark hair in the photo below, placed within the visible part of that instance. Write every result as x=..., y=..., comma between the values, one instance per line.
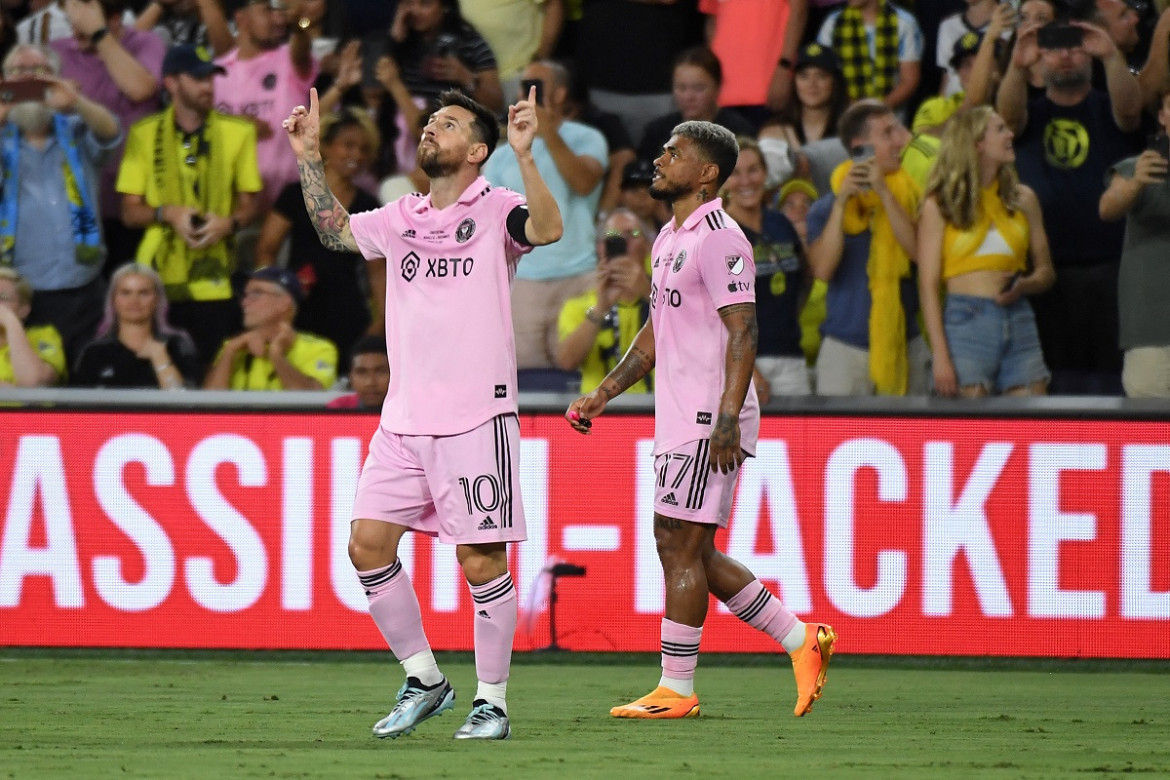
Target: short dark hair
x=368, y=345
x=485, y=126
x=715, y=143
x=114, y=7
x=701, y=57
x=854, y=122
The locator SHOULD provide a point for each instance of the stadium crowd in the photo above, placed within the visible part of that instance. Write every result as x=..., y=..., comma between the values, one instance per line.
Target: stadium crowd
x=962, y=197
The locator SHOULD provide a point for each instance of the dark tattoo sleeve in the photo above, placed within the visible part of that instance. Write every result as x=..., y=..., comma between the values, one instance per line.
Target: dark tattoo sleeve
x=635, y=365
x=743, y=338
x=329, y=217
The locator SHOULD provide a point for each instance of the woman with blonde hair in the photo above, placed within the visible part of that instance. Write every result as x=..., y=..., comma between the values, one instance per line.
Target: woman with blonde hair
x=135, y=346
x=982, y=235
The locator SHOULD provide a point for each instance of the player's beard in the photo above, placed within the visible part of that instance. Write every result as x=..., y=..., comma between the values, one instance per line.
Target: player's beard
x=665, y=191
x=31, y=118
x=429, y=158
x=1073, y=79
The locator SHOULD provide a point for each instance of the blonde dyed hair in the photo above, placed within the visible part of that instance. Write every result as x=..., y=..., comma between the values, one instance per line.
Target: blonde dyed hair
x=955, y=179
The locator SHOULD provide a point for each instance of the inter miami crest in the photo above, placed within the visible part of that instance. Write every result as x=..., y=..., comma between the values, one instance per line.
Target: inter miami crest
x=465, y=231
x=678, y=261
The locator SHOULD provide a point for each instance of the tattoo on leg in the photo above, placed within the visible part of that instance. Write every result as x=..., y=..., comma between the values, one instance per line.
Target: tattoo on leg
x=667, y=523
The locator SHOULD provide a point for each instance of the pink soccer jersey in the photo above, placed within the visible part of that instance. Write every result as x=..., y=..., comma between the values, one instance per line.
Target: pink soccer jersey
x=448, y=308
x=265, y=87
x=698, y=268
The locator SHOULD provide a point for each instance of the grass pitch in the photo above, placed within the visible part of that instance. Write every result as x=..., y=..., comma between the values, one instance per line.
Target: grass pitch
x=76, y=714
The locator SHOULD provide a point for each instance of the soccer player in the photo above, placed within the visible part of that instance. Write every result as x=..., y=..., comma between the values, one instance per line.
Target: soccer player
x=444, y=460
x=701, y=338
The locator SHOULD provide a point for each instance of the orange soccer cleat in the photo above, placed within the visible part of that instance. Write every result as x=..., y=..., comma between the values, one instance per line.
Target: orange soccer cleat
x=811, y=665
x=660, y=703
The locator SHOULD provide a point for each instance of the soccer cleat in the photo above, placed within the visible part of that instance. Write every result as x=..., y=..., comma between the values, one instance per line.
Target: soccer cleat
x=811, y=665
x=415, y=704
x=660, y=703
x=486, y=721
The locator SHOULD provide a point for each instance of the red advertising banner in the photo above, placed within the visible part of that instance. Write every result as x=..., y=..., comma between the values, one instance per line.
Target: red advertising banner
x=910, y=536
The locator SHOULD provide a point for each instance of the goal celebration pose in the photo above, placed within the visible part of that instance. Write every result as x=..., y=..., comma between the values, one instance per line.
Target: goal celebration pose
x=444, y=460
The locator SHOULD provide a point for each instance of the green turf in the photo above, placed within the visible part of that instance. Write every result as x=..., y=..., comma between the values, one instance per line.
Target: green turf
x=156, y=715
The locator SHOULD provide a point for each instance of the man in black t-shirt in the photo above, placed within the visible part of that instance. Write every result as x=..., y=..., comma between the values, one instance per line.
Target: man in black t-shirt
x=1066, y=140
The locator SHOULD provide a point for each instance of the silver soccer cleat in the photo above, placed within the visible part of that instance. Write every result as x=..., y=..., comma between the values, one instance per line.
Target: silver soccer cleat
x=415, y=704
x=486, y=721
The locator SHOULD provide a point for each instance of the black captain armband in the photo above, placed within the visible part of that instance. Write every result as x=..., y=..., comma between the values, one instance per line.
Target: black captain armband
x=517, y=218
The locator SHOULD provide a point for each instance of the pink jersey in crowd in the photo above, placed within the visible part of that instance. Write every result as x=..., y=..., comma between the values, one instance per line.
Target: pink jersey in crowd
x=266, y=87
x=698, y=268
x=448, y=308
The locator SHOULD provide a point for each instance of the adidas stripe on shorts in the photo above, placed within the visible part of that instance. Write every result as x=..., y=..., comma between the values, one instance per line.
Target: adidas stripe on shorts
x=464, y=489
x=686, y=488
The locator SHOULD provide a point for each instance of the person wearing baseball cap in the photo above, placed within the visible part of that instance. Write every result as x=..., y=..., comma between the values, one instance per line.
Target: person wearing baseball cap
x=973, y=59
x=635, y=194
x=189, y=178
x=192, y=61
x=269, y=354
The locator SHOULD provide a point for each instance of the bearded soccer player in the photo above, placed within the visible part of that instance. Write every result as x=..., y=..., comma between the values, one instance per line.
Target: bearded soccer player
x=701, y=339
x=444, y=460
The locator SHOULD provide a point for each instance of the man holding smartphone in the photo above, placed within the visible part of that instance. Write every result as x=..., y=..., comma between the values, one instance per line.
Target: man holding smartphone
x=190, y=179
x=1066, y=141
x=862, y=244
x=53, y=142
x=598, y=327
x=572, y=158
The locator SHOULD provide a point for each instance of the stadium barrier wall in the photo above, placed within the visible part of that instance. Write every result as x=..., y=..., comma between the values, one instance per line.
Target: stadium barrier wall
x=1038, y=530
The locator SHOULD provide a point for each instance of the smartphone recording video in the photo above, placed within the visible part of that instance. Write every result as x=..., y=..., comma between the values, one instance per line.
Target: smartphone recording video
x=526, y=86
x=23, y=91
x=1159, y=143
x=1059, y=36
x=615, y=246
x=861, y=153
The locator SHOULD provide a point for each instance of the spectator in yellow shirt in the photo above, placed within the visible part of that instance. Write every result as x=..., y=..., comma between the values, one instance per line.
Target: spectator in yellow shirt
x=269, y=354
x=29, y=357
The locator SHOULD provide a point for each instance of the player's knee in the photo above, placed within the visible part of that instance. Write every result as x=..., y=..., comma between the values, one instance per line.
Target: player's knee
x=371, y=547
x=482, y=563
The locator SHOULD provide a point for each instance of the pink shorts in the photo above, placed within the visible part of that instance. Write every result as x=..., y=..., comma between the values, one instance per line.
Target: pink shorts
x=464, y=489
x=687, y=489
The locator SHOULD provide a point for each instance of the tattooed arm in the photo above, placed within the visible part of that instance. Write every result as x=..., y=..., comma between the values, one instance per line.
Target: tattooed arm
x=329, y=217
x=637, y=363
x=743, y=335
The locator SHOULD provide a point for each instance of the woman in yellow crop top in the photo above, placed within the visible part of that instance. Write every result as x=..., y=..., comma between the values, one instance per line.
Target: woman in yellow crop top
x=981, y=233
